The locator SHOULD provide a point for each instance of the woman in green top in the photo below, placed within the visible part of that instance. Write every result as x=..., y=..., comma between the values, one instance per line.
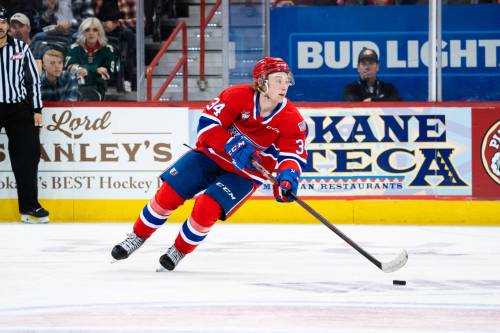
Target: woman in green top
x=91, y=58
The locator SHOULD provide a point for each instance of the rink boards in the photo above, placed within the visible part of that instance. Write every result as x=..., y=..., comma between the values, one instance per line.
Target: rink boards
x=397, y=163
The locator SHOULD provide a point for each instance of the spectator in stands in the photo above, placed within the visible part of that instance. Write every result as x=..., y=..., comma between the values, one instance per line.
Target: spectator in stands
x=92, y=59
x=368, y=88
x=20, y=27
x=64, y=16
x=56, y=83
x=30, y=8
x=118, y=20
x=59, y=20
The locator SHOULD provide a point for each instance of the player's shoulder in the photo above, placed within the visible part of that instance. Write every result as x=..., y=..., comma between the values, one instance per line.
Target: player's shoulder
x=239, y=90
x=237, y=97
x=291, y=111
x=291, y=119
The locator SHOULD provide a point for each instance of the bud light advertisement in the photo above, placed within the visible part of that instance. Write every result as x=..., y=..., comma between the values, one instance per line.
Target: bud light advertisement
x=322, y=45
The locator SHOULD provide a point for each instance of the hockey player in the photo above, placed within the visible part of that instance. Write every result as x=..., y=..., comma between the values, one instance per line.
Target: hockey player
x=244, y=123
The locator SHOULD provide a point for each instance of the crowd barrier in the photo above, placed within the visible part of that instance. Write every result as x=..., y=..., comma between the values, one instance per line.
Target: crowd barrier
x=387, y=163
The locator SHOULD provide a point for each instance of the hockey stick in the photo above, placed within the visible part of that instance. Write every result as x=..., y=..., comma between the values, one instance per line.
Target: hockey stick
x=386, y=267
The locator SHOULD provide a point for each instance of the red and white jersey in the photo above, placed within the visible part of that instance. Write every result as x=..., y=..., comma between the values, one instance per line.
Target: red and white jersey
x=279, y=138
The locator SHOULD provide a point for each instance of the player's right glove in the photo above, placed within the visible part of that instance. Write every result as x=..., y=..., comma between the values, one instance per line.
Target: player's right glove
x=287, y=181
x=241, y=151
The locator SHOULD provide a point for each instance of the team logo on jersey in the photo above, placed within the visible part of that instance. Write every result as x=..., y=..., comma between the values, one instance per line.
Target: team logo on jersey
x=17, y=56
x=173, y=172
x=245, y=115
x=490, y=152
x=302, y=126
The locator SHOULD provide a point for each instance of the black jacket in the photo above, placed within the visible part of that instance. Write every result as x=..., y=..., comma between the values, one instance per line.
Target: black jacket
x=382, y=91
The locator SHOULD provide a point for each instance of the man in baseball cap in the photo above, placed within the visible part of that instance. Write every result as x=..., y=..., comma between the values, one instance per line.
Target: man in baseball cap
x=367, y=54
x=20, y=27
x=368, y=88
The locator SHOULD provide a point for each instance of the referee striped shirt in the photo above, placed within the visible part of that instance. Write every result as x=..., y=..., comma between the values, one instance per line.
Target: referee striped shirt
x=19, y=78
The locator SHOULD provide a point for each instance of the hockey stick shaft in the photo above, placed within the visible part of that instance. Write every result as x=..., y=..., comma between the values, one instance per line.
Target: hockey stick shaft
x=390, y=267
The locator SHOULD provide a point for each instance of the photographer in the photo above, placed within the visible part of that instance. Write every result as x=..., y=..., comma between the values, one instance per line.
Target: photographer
x=368, y=88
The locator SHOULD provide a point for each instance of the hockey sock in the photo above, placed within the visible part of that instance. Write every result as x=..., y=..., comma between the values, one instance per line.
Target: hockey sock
x=156, y=212
x=206, y=212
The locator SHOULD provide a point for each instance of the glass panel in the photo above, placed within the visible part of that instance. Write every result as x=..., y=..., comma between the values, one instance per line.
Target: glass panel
x=322, y=45
x=471, y=65
x=246, y=39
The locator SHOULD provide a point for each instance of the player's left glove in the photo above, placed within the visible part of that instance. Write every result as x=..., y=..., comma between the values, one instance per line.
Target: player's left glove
x=287, y=182
x=241, y=151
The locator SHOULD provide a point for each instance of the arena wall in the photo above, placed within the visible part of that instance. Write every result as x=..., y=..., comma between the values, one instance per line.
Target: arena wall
x=388, y=163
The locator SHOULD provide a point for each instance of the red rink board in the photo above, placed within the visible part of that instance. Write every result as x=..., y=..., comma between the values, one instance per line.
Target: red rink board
x=486, y=153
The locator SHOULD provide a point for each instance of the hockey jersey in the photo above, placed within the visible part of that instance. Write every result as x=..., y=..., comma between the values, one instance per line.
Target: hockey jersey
x=279, y=138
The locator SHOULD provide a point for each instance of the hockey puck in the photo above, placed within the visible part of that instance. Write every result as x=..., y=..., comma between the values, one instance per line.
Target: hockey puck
x=399, y=282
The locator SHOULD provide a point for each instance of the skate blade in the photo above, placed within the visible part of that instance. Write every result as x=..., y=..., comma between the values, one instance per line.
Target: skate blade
x=28, y=219
x=161, y=269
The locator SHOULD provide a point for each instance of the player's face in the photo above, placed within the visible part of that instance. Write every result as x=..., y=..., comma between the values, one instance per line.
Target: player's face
x=278, y=84
x=368, y=69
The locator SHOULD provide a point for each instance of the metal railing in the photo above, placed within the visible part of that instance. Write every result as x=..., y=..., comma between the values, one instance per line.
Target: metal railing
x=203, y=24
x=182, y=62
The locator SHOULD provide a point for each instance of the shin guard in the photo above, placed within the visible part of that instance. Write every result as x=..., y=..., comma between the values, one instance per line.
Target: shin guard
x=206, y=212
x=157, y=211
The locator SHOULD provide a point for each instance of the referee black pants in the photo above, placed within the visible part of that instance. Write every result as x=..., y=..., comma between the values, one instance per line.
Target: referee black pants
x=24, y=151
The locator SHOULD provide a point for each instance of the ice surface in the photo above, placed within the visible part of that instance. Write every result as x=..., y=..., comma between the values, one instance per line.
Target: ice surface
x=250, y=278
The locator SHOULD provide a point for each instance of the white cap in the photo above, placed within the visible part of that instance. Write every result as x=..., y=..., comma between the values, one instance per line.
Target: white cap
x=20, y=17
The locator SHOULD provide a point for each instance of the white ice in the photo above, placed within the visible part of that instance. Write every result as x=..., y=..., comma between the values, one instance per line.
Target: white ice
x=250, y=278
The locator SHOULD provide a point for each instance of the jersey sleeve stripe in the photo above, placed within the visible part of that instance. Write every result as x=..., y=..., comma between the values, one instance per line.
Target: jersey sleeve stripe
x=206, y=116
x=272, y=152
x=205, y=129
x=284, y=155
x=207, y=122
x=299, y=164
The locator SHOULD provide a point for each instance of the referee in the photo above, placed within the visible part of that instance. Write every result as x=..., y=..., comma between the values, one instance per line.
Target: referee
x=20, y=114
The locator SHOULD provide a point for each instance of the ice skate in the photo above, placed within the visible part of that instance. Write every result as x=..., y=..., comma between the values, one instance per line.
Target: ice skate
x=127, y=247
x=170, y=259
x=37, y=216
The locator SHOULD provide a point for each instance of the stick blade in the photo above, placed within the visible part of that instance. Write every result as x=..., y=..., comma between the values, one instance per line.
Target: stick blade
x=396, y=263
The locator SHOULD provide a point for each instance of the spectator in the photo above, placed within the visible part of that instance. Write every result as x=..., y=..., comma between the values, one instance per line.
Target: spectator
x=118, y=20
x=368, y=88
x=30, y=8
x=20, y=27
x=64, y=16
x=57, y=84
x=21, y=115
x=91, y=58
x=59, y=20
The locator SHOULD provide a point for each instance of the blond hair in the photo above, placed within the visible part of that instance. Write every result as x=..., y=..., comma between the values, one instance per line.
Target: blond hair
x=101, y=35
x=54, y=53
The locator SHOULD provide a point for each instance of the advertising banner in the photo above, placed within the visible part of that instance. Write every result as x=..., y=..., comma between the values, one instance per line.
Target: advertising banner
x=486, y=150
x=102, y=152
x=322, y=44
x=416, y=151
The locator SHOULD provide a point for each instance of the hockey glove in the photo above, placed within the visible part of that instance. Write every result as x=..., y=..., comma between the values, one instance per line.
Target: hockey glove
x=241, y=151
x=287, y=183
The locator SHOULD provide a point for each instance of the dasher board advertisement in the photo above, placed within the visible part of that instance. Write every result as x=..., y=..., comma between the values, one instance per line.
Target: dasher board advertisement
x=412, y=151
x=103, y=152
